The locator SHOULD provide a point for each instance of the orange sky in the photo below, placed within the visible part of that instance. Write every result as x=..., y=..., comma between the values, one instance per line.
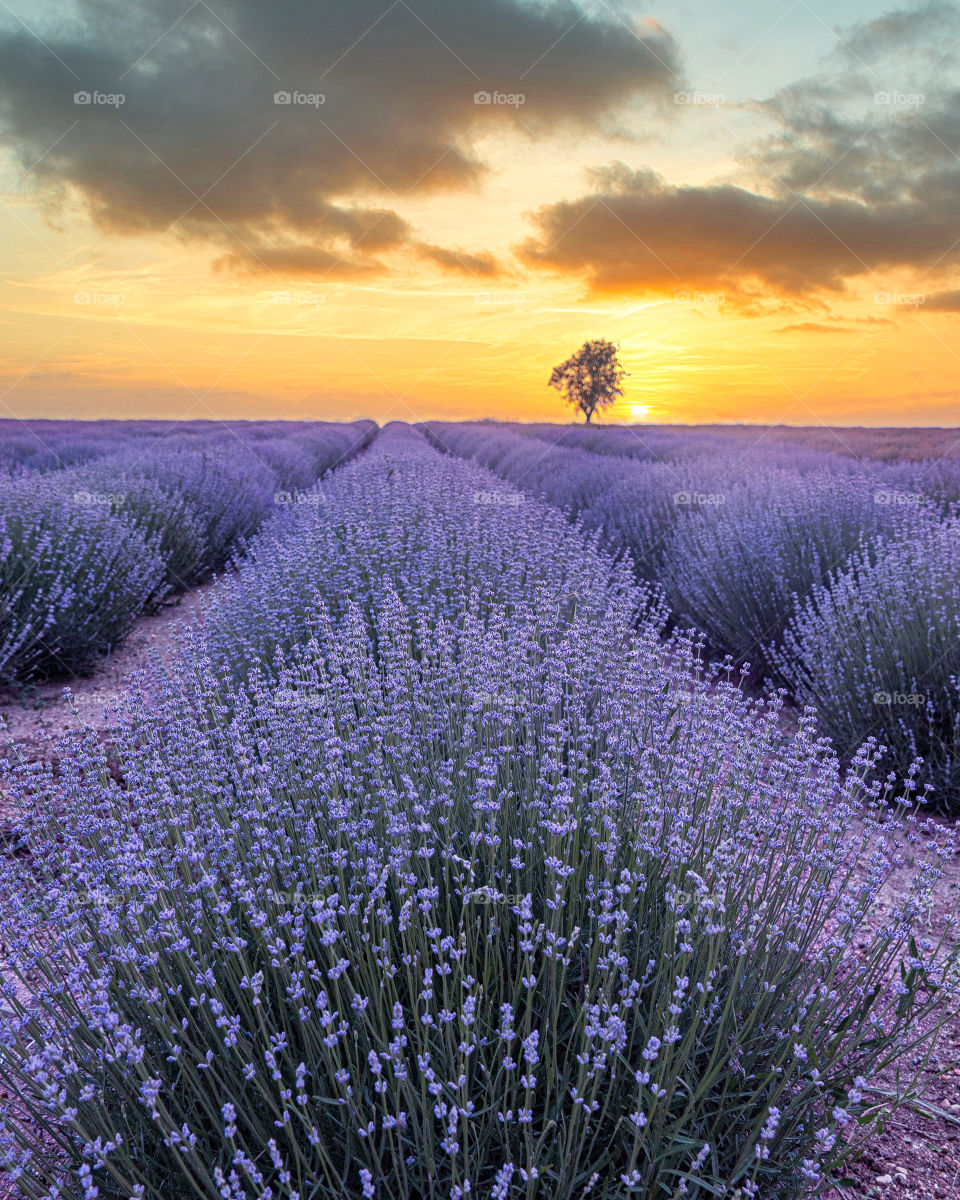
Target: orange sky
x=728, y=301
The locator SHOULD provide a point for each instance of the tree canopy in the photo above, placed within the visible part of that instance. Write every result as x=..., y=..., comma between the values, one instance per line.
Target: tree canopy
x=592, y=378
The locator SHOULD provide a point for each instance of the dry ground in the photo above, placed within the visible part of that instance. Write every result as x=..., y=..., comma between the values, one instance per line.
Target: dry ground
x=36, y=714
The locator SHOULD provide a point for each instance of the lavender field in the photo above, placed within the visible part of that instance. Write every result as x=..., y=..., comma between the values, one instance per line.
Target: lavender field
x=536, y=812
x=102, y=521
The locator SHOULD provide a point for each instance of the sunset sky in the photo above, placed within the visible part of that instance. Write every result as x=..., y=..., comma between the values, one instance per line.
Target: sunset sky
x=760, y=201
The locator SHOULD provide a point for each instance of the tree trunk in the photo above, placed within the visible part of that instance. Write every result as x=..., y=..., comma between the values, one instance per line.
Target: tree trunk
x=588, y=416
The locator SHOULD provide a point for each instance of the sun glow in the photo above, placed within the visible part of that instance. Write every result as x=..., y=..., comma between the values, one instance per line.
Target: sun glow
x=639, y=412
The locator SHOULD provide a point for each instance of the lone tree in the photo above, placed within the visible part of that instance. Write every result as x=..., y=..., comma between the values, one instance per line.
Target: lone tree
x=592, y=378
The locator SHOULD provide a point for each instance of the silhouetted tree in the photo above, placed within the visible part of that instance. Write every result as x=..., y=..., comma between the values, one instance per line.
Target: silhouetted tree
x=592, y=378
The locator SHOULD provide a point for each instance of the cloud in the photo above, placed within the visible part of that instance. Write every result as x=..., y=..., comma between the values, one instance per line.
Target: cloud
x=858, y=179
x=288, y=144
x=636, y=232
x=847, y=325
x=943, y=302
x=924, y=27
x=812, y=327
x=880, y=122
x=459, y=260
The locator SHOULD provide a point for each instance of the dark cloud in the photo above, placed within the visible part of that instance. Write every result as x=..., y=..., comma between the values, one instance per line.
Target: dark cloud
x=459, y=260
x=901, y=146
x=638, y=233
x=860, y=177
x=943, y=302
x=880, y=123
x=925, y=27
x=309, y=184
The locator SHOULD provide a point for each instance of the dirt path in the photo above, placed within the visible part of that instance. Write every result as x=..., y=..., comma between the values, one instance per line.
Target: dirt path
x=35, y=714
x=917, y=1157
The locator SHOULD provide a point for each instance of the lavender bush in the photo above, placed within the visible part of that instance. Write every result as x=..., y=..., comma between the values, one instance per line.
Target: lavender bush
x=73, y=579
x=164, y=516
x=442, y=533
x=330, y=446
x=40, y=446
x=233, y=487
x=231, y=495
x=736, y=529
x=878, y=653
x=637, y=442
x=514, y=902
x=193, y=495
x=641, y=512
x=636, y=485
x=739, y=566
x=935, y=479
x=572, y=480
x=740, y=447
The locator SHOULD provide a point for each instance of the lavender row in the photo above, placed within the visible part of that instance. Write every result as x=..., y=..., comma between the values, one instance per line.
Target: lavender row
x=85, y=550
x=747, y=551
x=779, y=445
x=663, y=444
x=464, y=886
x=30, y=447
x=443, y=537
x=877, y=653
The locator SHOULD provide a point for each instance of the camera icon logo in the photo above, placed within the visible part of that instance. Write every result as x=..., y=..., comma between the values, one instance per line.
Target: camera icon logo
x=81, y=97
x=481, y=97
x=281, y=98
